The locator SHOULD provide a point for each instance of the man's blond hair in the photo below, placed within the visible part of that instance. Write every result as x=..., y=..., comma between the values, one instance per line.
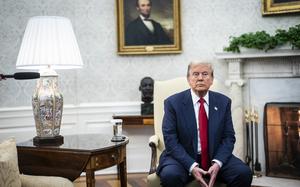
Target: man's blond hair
x=202, y=62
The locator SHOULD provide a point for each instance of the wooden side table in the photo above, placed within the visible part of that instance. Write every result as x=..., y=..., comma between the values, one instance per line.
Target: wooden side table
x=79, y=153
x=131, y=120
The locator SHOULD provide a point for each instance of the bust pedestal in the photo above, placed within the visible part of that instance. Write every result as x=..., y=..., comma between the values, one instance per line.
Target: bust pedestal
x=147, y=109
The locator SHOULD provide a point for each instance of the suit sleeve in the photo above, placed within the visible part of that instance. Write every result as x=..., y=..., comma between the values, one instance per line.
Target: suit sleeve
x=173, y=146
x=162, y=37
x=130, y=35
x=226, y=143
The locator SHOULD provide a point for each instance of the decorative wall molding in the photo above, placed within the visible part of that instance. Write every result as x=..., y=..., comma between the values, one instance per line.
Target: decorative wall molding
x=77, y=115
x=239, y=82
x=95, y=33
x=255, y=63
x=81, y=119
x=108, y=77
x=253, y=53
x=296, y=68
x=234, y=72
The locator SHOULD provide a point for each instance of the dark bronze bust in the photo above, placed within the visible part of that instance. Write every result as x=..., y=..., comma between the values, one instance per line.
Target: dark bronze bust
x=146, y=88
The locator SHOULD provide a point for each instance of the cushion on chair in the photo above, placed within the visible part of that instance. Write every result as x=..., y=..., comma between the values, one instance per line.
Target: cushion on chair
x=9, y=170
x=45, y=181
x=153, y=180
x=162, y=90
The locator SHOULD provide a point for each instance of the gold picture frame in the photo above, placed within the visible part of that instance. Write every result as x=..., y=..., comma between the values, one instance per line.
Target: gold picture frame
x=165, y=18
x=270, y=7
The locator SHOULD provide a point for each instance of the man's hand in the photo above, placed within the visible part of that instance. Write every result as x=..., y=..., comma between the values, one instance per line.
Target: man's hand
x=198, y=173
x=213, y=172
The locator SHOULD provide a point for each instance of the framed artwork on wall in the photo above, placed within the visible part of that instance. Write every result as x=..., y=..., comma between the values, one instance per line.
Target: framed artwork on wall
x=270, y=7
x=148, y=27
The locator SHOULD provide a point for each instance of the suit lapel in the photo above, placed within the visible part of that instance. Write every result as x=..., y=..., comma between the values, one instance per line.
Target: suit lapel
x=190, y=119
x=212, y=123
x=142, y=27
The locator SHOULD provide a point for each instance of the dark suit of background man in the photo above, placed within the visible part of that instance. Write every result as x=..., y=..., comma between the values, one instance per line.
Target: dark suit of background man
x=145, y=31
x=181, y=162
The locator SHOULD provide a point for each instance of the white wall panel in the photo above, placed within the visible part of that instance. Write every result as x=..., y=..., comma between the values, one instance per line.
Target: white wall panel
x=84, y=119
x=108, y=83
x=108, y=77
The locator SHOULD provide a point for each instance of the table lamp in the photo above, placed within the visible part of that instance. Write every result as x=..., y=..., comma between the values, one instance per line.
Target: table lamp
x=49, y=43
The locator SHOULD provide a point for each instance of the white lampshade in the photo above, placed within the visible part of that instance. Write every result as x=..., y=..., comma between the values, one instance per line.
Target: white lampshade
x=49, y=41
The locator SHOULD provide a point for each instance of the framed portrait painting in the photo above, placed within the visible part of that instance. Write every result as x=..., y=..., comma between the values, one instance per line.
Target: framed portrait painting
x=148, y=27
x=270, y=7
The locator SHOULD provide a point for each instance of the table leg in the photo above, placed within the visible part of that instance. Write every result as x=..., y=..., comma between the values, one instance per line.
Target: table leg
x=90, y=178
x=118, y=171
x=123, y=173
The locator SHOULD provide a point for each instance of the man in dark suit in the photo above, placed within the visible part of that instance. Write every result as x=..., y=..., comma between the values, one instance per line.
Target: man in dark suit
x=199, y=136
x=143, y=30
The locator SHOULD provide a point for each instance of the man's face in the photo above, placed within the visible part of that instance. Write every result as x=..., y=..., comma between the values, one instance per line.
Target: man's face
x=144, y=7
x=146, y=87
x=200, y=78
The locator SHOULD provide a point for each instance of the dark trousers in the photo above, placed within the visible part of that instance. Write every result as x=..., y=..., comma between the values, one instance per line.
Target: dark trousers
x=234, y=173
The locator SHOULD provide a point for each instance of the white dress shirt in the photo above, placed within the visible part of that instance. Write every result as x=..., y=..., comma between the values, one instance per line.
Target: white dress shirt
x=196, y=104
x=148, y=24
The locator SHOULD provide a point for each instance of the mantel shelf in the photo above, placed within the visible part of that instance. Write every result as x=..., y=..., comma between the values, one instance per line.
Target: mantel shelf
x=252, y=53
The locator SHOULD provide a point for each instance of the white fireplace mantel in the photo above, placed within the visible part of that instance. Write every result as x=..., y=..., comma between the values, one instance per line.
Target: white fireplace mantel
x=246, y=67
x=257, y=63
x=258, y=54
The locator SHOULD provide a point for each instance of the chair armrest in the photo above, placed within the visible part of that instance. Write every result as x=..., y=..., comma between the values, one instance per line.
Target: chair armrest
x=154, y=139
x=153, y=143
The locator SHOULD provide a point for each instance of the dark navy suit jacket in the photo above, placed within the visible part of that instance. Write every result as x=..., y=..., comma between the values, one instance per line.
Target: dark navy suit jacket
x=180, y=130
x=137, y=33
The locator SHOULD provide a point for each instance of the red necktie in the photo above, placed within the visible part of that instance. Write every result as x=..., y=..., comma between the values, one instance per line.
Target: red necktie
x=202, y=118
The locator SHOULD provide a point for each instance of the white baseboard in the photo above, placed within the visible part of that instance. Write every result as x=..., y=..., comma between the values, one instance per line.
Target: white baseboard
x=84, y=118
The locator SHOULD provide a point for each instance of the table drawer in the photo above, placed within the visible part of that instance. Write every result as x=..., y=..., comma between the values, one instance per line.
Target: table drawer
x=106, y=159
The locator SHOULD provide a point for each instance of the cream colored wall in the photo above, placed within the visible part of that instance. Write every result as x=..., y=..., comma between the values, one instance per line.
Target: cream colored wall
x=206, y=26
x=108, y=83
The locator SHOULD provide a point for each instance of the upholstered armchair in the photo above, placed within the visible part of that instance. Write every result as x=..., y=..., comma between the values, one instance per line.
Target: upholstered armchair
x=9, y=171
x=163, y=89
